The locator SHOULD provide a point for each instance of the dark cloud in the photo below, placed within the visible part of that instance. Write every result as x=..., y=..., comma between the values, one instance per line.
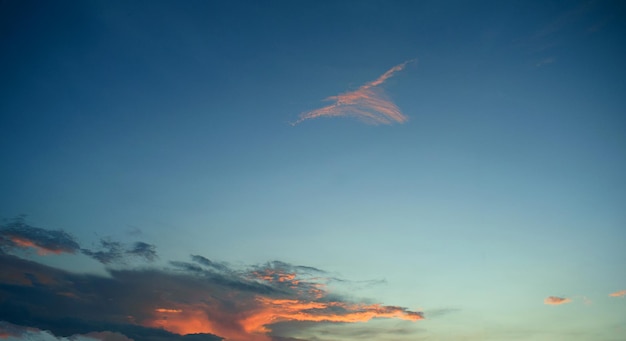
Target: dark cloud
x=19, y=235
x=109, y=252
x=86, y=303
x=228, y=279
x=208, y=263
x=184, y=299
x=9, y=330
x=123, y=333
x=143, y=250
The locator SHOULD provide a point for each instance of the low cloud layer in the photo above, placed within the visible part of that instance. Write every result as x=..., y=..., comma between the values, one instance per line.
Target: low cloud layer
x=9, y=332
x=199, y=299
x=369, y=103
x=555, y=300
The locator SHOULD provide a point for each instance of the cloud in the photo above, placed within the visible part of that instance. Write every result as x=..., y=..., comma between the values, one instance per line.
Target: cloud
x=208, y=263
x=110, y=251
x=377, y=330
x=368, y=103
x=18, y=235
x=185, y=301
x=11, y=331
x=621, y=293
x=554, y=300
x=143, y=250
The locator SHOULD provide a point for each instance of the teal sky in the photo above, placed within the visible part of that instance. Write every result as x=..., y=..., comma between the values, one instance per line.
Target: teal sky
x=498, y=183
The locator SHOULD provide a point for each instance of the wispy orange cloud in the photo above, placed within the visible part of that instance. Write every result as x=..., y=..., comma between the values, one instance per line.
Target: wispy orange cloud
x=253, y=324
x=621, y=293
x=554, y=300
x=368, y=103
x=41, y=250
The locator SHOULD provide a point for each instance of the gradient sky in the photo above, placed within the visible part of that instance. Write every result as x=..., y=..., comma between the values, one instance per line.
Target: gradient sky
x=313, y=170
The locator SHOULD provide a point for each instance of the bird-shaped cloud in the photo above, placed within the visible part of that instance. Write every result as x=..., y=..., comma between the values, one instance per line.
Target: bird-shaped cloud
x=369, y=103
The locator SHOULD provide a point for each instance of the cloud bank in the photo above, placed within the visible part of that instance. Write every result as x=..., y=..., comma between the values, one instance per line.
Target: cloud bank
x=9, y=331
x=199, y=299
x=369, y=103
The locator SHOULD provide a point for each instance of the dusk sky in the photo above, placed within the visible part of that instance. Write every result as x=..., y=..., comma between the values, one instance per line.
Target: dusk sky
x=312, y=170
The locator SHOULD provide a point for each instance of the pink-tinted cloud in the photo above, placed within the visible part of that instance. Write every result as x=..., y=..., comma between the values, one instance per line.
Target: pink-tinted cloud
x=41, y=250
x=621, y=293
x=554, y=300
x=368, y=103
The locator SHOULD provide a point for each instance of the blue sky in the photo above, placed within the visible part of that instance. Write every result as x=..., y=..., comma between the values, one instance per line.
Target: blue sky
x=171, y=124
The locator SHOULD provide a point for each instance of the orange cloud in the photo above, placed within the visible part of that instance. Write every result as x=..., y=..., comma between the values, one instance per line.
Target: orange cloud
x=367, y=103
x=279, y=310
x=250, y=315
x=621, y=293
x=171, y=311
x=252, y=324
x=554, y=300
x=192, y=298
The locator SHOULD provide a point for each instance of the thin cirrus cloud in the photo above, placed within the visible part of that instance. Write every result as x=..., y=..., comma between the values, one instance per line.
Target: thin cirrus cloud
x=198, y=299
x=621, y=293
x=369, y=103
x=555, y=300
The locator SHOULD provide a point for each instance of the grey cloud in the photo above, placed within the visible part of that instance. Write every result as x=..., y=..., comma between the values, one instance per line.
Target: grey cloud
x=208, y=263
x=143, y=250
x=18, y=234
x=153, y=304
x=110, y=252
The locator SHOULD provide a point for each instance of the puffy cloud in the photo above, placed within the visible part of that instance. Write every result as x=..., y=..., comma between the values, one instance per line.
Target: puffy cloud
x=368, y=103
x=621, y=293
x=555, y=300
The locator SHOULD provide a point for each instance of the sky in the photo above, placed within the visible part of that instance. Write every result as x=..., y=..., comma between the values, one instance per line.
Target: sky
x=312, y=170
